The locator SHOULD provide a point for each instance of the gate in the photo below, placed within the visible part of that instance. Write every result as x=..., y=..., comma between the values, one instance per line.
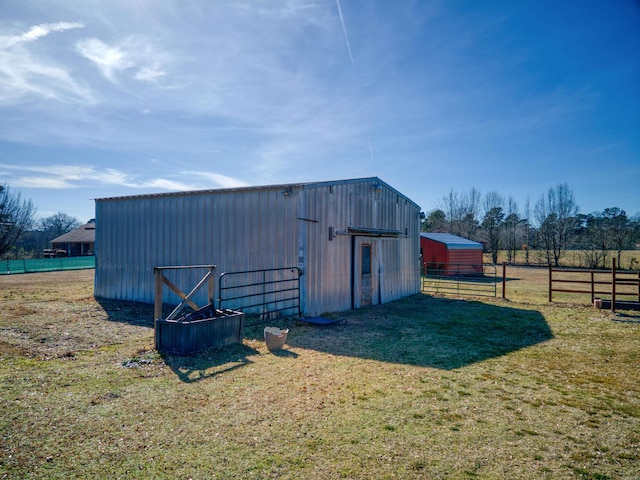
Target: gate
x=261, y=294
x=460, y=279
x=610, y=283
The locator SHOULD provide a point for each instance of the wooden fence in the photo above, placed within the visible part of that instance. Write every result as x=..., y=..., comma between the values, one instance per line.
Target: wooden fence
x=612, y=283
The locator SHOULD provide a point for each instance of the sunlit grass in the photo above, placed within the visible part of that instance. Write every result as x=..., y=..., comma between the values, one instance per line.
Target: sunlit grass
x=421, y=388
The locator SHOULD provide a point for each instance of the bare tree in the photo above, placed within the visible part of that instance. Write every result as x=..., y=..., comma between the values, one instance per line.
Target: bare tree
x=58, y=224
x=492, y=200
x=556, y=214
x=619, y=230
x=16, y=216
x=527, y=229
x=513, y=230
x=594, y=240
x=461, y=210
x=492, y=223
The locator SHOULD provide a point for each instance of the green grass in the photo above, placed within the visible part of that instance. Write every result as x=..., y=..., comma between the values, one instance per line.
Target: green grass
x=424, y=387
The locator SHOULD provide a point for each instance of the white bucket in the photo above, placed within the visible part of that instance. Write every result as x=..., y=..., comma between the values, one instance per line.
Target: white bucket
x=275, y=337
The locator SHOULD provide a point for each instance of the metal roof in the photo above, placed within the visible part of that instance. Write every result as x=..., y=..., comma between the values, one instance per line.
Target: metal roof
x=284, y=186
x=83, y=234
x=453, y=242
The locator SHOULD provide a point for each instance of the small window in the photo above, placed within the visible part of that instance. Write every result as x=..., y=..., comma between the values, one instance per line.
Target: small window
x=366, y=259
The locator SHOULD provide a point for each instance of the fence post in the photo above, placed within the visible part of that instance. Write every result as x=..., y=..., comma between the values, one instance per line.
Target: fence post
x=504, y=280
x=613, y=284
x=550, y=285
x=592, y=289
x=157, y=308
x=211, y=287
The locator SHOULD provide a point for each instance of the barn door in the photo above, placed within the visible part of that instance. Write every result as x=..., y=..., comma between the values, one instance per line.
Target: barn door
x=365, y=272
x=366, y=289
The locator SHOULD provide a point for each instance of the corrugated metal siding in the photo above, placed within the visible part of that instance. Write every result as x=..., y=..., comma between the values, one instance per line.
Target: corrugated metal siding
x=466, y=261
x=235, y=230
x=257, y=228
x=328, y=268
x=433, y=252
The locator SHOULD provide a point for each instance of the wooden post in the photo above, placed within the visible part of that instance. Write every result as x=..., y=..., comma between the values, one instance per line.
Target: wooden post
x=613, y=284
x=550, y=285
x=592, y=289
x=157, y=306
x=211, y=285
x=504, y=280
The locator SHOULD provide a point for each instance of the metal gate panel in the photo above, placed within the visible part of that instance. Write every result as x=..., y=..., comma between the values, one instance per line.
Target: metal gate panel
x=460, y=279
x=261, y=294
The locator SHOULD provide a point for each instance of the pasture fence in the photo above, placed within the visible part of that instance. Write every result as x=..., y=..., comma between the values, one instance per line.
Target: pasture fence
x=612, y=283
x=34, y=265
x=478, y=280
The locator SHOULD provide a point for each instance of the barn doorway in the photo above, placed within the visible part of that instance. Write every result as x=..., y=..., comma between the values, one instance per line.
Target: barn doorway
x=365, y=272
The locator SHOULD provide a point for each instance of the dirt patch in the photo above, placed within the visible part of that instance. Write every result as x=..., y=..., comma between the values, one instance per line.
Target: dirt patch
x=54, y=314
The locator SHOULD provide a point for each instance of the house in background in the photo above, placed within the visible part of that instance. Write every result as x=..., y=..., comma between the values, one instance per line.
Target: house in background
x=78, y=242
x=353, y=242
x=447, y=254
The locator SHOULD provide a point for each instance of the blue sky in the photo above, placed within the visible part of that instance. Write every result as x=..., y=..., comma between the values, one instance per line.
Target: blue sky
x=123, y=97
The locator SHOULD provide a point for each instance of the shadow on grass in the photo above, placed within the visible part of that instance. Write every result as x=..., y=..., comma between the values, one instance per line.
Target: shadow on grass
x=188, y=368
x=419, y=330
x=133, y=313
x=428, y=331
x=209, y=363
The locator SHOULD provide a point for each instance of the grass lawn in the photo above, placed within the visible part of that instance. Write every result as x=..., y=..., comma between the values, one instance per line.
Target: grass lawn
x=425, y=387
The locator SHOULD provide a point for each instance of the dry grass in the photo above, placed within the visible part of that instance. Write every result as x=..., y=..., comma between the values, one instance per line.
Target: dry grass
x=421, y=388
x=629, y=259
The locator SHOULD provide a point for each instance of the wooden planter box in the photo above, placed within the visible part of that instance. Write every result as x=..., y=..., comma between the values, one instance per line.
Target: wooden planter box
x=205, y=328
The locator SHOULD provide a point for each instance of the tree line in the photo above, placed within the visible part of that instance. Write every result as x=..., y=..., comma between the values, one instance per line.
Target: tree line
x=545, y=230
x=541, y=233
x=21, y=235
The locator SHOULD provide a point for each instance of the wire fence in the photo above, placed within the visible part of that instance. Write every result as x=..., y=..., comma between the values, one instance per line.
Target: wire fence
x=460, y=279
x=46, y=264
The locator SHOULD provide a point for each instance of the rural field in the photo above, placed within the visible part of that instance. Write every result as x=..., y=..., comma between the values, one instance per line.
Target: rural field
x=629, y=259
x=426, y=387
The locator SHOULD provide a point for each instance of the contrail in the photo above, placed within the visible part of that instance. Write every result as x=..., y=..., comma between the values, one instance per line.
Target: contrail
x=371, y=148
x=344, y=29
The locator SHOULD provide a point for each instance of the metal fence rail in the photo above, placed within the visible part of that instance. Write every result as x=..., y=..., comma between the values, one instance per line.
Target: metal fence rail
x=46, y=264
x=460, y=279
x=261, y=294
x=611, y=284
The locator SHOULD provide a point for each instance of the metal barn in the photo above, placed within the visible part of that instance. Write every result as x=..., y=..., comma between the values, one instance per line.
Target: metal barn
x=448, y=254
x=352, y=242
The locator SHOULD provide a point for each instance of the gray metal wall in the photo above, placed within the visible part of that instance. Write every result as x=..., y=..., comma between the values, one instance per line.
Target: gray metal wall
x=259, y=228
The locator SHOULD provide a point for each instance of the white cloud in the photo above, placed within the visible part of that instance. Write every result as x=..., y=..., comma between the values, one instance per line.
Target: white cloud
x=37, y=31
x=150, y=74
x=133, y=53
x=108, y=59
x=24, y=74
x=217, y=179
x=57, y=177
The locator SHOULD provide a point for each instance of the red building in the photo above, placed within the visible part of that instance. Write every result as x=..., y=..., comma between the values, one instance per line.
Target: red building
x=447, y=254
